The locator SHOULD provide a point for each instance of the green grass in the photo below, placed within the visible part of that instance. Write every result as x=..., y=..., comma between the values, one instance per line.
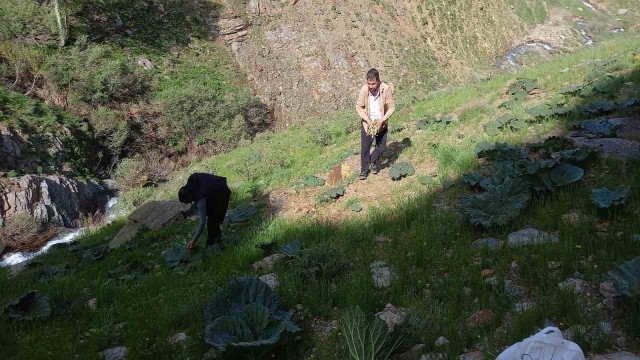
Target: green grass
x=428, y=248
x=37, y=122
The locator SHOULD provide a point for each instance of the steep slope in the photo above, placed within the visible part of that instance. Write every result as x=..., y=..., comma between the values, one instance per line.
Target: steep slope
x=309, y=56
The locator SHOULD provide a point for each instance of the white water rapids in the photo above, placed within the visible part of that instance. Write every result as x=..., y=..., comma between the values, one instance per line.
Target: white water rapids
x=20, y=257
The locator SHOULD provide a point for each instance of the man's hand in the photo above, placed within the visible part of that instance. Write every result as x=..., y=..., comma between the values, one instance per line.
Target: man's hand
x=191, y=244
x=381, y=125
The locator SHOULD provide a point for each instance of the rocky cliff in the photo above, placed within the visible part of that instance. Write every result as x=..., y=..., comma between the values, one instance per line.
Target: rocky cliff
x=311, y=56
x=54, y=200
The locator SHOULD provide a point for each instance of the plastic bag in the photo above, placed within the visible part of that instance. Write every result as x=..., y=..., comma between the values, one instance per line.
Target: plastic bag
x=548, y=344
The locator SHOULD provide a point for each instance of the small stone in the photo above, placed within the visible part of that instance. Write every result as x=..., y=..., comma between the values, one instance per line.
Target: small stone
x=480, y=318
x=426, y=292
x=523, y=306
x=530, y=236
x=268, y=262
x=476, y=355
x=177, y=338
x=270, y=279
x=381, y=275
x=514, y=265
x=490, y=243
x=145, y=63
x=441, y=341
x=578, y=285
x=93, y=304
x=392, y=315
x=116, y=353
x=487, y=272
x=636, y=237
x=491, y=281
x=553, y=265
x=466, y=291
x=622, y=11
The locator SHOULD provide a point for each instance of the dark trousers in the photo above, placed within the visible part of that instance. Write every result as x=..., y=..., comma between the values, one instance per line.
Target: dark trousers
x=366, y=156
x=216, y=211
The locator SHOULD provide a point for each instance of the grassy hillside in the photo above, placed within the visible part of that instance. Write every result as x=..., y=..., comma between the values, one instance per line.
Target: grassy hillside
x=414, y=225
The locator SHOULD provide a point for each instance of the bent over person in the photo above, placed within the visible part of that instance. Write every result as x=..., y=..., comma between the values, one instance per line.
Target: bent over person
x=211, y=194
x=375, y=103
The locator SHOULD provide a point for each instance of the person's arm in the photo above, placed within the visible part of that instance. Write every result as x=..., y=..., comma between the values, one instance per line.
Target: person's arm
x=202, y=212
x=360, y=108
x=391, y=108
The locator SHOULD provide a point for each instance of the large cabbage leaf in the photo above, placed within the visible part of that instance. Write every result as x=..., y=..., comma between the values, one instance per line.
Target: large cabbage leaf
x=246, y=316
x=560, y=175
x=626, y=277
x=367, y=338
x=498, y=205
x=313, y=181
x=604, y=197
x=400, y=170
x=292, y=248
x=30, y=306
x=175, y=255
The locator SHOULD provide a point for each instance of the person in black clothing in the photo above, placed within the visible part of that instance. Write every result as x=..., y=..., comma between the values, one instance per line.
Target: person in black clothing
x=211, y=194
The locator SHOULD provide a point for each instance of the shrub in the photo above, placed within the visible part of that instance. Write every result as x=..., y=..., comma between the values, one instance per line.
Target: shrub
x=142, y=169
x=97, y=75
x=21, y=231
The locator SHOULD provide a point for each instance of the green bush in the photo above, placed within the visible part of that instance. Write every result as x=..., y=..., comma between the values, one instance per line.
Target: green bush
x=97, y=75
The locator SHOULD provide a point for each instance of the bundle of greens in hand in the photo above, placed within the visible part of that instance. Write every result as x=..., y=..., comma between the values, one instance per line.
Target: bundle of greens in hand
x=373, y=128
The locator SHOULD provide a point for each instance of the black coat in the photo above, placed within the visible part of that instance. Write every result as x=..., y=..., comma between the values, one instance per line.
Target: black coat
x=213, y=188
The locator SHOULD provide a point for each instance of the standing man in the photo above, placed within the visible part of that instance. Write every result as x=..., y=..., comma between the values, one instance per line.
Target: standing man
x=211, y=194
x=375, y=102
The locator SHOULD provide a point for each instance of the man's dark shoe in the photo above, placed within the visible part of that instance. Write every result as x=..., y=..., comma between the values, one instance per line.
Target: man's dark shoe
x=363, y=174
x=375, y=169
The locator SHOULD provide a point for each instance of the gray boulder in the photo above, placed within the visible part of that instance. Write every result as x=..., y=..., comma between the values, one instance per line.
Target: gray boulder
x=152, y=214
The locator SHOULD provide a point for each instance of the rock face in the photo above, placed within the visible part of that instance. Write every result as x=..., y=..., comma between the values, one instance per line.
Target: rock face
x=153, y=214
x=326, y=48
x=54, y=200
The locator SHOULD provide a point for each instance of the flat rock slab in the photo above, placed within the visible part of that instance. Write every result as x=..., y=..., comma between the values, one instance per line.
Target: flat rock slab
x=612, y=147
x=153, y=214
x=530, y=236
x=629, y=128
x=117, y=353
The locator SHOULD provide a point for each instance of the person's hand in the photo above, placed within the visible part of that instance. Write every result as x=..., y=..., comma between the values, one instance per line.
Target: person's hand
x=191, y=244
x=381, y=125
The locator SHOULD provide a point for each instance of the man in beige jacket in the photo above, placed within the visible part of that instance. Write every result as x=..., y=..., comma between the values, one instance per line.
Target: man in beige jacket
x=375, y=102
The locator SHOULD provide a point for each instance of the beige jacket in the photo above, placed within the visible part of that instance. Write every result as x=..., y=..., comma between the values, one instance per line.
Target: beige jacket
x=387, y=105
